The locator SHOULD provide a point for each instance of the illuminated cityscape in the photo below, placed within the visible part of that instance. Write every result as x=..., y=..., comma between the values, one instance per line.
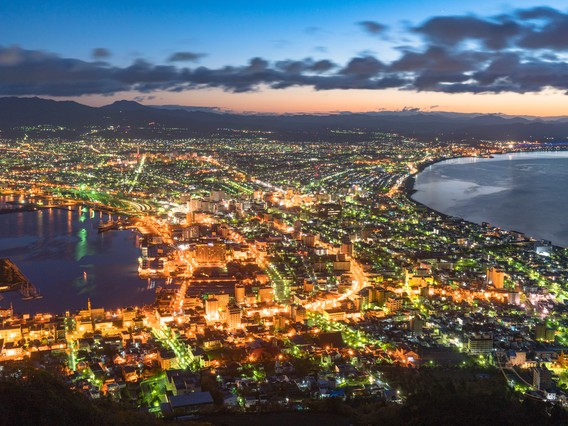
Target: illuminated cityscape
x=267, y=260
x=294, y=271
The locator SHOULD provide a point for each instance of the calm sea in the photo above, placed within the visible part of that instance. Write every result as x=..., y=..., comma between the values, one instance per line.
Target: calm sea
x=524, y=192
x=62, y=253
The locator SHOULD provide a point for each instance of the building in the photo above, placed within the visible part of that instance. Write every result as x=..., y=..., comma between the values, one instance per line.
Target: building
x=265, y=294
x=346, y=247
x=240, y=292
x=223, y=301
x=517, y=358
x=480, y=344
x=542, y=377
x=543, y=334
x=212, y=309
x=495, y=277
x=394, y=303
x=298, y=313
x=212, y=253
x=234, y=317
x=184, y=404
x=310, y=240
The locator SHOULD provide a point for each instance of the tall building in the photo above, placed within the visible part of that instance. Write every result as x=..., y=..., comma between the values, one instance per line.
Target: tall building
x=223, y=301
x=234, y=317
x=496, y=277
x=239, y=294
x=212, y=309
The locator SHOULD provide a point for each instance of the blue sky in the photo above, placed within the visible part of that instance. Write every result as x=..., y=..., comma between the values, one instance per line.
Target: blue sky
x=219, y=34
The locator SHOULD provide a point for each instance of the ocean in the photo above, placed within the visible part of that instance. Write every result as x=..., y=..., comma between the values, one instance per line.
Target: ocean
x=525, y=192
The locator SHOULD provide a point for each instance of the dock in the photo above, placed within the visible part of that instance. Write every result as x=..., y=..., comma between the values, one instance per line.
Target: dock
x=12, y=279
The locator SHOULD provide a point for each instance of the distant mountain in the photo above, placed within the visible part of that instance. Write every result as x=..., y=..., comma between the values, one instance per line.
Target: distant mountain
x=188, y=108
x=17, y=113
x=125, y=106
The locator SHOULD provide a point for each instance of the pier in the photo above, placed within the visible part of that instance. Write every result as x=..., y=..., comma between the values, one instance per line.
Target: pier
x=12, y=279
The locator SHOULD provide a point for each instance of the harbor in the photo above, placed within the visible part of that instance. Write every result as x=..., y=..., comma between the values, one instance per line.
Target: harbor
x=63, y=254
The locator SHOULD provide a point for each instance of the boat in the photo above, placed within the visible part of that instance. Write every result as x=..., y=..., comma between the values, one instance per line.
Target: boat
x=106, y=226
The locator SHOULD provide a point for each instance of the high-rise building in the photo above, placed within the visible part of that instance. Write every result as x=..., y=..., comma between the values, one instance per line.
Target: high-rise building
x=495, y=277
x=223, y=301
x=212, y=309
x=234, y=317
x=239, y=294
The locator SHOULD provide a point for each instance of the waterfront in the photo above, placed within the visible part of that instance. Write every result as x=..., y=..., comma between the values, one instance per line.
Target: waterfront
x=62, y=253
x=522, y=192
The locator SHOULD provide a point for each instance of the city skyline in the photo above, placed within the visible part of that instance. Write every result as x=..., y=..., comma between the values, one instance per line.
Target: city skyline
x=293, y=57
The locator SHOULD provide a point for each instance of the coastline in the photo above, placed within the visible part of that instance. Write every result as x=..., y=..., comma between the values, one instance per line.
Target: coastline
x=93, y=274
x=410, y=182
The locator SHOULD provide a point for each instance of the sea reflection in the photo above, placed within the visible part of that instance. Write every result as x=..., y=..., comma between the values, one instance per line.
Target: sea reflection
x=61, y=252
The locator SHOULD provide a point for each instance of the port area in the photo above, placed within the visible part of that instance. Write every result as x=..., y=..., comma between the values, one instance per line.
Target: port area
x=109, y=225
x=12, y=279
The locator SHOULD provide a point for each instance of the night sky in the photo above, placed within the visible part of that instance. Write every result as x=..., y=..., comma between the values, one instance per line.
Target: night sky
x=291, y=56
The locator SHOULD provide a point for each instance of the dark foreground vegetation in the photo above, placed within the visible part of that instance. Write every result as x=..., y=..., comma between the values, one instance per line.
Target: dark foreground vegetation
x=435, y=396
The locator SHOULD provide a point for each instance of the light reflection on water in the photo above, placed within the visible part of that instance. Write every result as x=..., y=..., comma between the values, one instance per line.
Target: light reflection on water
x=61, y=252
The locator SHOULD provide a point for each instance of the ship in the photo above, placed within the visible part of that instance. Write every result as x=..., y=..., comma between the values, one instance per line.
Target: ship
x=106, y=226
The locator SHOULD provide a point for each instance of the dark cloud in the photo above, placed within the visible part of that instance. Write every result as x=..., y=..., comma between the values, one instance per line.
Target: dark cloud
x=185, y=57
x=306, y=65
x=521, y=51
x=546, y=28
x=533, y=28
x=322, y=66
x=453, y=30
x=439, y=59
x=372, y=27
x=363, y=67
x=101, y=53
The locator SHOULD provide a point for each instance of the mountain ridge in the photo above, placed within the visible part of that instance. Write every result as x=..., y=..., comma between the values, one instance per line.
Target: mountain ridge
x=17, y=112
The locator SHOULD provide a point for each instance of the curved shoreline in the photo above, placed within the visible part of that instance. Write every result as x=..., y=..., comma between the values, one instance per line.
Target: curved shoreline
x=410, y=182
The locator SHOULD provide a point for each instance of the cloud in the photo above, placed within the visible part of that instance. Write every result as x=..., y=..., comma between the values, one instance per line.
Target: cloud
x=533, y=28
x=100, y=53
x=185, y=57
x=521, y=51
x=439, y=59
x=372, y=27
x=546, y=28
x=363, y=67
x=452, y=30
